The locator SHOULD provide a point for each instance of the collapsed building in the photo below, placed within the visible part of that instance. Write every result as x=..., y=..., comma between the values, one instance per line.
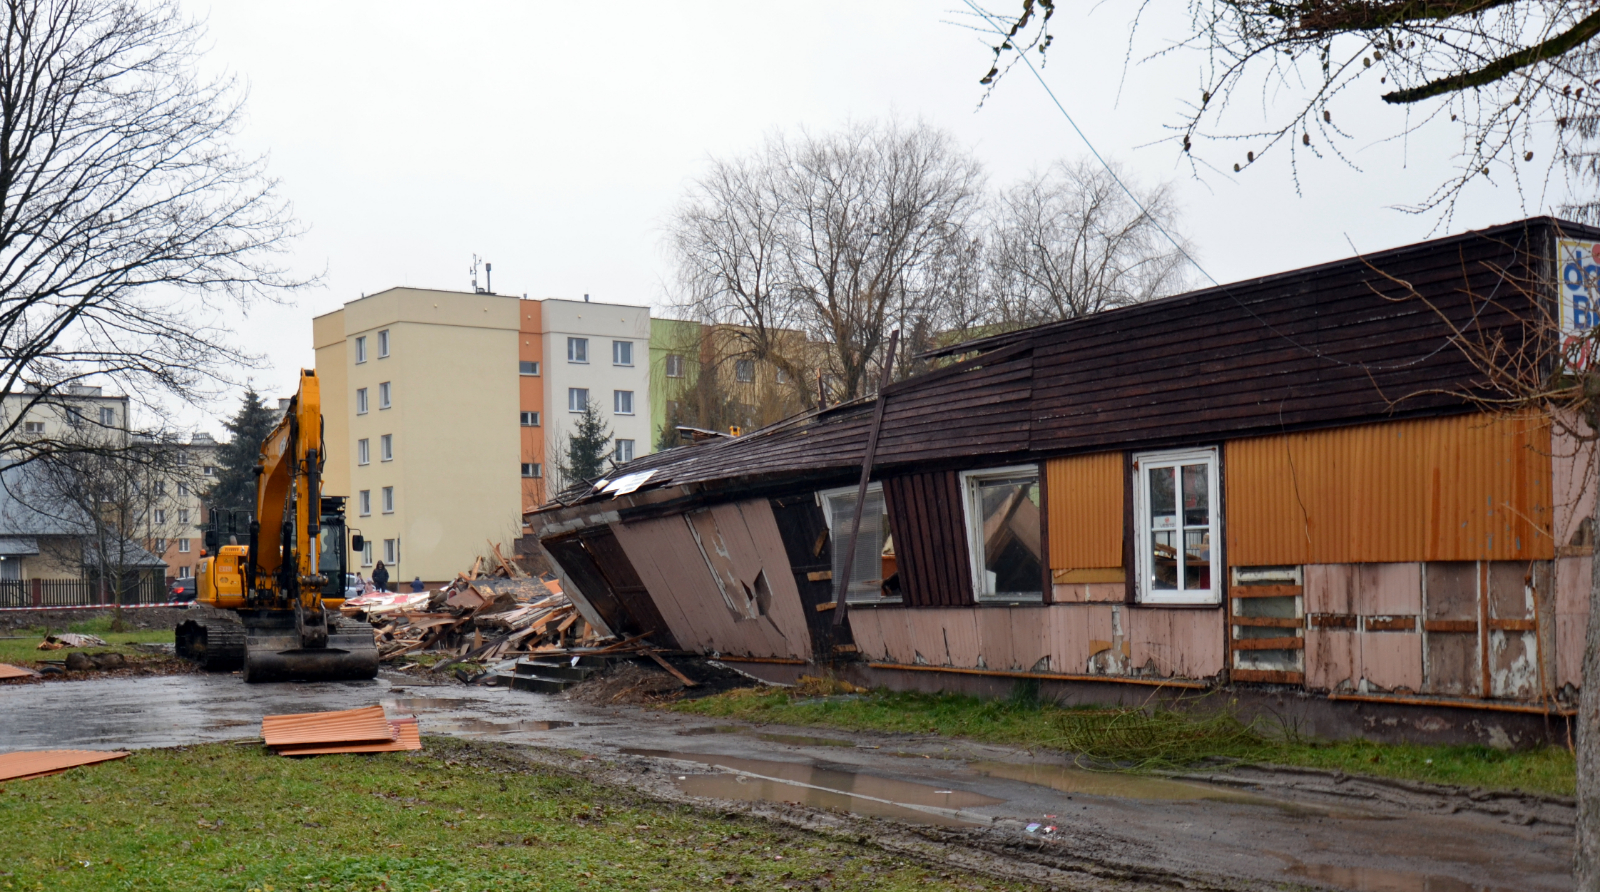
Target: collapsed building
x=1288, y=487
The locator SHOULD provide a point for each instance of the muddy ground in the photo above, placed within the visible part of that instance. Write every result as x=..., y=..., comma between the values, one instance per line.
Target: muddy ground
x=965, y=804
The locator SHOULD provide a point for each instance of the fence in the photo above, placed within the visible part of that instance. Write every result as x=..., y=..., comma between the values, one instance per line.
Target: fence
x=79, y=592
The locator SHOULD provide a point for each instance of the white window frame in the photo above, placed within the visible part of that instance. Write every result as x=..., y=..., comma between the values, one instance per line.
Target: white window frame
x=740, y=366
x=361, y=401
x=571, y=391
x=161, y=515
x=386, y=447
x=183, y=490
x=361, y=349
x=528, y=368
x=108, y=416
x=1148, y=594
x=388, y=500
x=617, y=450
x=385, y=395
x=183, y=546
x=531, y=470
x=363, y=451
x=617, y=399
x=529, y=419
x=183, y=515
x=33, y=427
x=972, y=514
x=366, y=553
x=161, y=546
x=383, y=344
x=576, y=346
x=674, y=365
x=617, y=349
x=365, y=502
x=836, y=538
x=391, y=552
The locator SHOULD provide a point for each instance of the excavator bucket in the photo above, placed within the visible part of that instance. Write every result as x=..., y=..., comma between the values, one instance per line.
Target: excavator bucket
x=273, y=652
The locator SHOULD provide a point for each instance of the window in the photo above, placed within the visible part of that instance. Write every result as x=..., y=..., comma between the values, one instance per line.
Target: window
x=183, y=515
x=365, y=501
x=161, y=515
x=674, y=365
x=209, y=470
x=386, y=447
x=183, y=546
x=363, y=452
x=532, y=469
x=744, y=370
x=383, y=343
x=622, y=353
x=527, y=367
x=11, y=568
x=366, y=554
x=161, y=488
x=874, y=560
x=391, y=551
x=577, y=399
x=530, y=419
x=624, y=451
x=672, y=410
x=361, y=401
x=186, y=572
x=1175, y=517
x=577, y=349
x=383, y=396
x=160, y=545
x=183, y=490
x=388, y=500
x=75, y=416
x=361, y=349
x=108, y=417
x=1002, y=512
x=622, y=402
x=33, y=427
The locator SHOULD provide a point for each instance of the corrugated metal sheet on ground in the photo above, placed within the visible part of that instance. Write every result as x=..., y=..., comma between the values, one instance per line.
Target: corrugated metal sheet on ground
x=1084, y=496
x=406, y=737
x=1469, y=487
x=38, y=763
x=9, y=671
x=365, y=725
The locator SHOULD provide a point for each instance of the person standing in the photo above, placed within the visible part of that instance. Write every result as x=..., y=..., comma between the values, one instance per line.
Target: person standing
x=416, y=585
x=380, y=577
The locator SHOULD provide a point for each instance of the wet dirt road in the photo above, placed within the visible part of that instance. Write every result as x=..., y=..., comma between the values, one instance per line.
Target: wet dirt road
x=1301, y=828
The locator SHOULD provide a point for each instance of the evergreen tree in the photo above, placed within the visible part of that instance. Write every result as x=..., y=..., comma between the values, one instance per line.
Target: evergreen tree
x=235, y=488
x=588, y=447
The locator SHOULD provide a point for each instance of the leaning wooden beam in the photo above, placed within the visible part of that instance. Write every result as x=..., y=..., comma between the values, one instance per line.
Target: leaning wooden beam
x=866, y=476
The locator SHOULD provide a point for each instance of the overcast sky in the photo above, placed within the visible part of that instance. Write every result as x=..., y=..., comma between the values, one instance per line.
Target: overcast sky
x=554, y=139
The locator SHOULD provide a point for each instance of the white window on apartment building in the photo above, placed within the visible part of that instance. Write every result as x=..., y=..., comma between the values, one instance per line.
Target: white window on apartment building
x=183, y=515
x=363, y=452
x=183, y=490
x=577, y=398
x=108, y=417
x=209, y=470
x=622, y=353
x=744, y=370
x=528, y=367
x=161, y=515
x=391, y=551
x=32, y=427
x=186, y=572
x=160, y=546
x=674, y=365
x=1002, y=513
x=183, y=546
x=384, y=395
x=361, y=349
x=386, y=447
x=874, y=542
x=383, y=344
x=1176, y=522
x=361, y=401
x=161, y=488
x=364, y=501
x=622, y=402
x=366, y=554
x=577, y=349
x=532, y=469
x=624, y=451
x=388, y=500
x=530, y=419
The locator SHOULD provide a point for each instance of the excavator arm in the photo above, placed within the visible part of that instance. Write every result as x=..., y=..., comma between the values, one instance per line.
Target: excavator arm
x=283, y=572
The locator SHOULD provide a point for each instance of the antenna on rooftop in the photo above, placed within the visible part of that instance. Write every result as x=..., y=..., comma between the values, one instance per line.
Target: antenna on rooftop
x=488, y=278
x=474, y=271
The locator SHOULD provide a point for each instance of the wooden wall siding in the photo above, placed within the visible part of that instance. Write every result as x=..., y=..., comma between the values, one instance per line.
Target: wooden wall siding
x=642, y=615
x=1571, y=489
x=930, y=538
x=1393, y=589
x=1085, y=511
x=1089, y=592
x=1572, y=619
x=1181, y=643
x=1468, y=487
x=669, y=562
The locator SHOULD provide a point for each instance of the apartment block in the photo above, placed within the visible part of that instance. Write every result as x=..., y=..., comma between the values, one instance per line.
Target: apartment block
x=442, y=409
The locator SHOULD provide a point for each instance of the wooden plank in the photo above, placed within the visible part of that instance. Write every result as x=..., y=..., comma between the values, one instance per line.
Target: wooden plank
x=1513, y=625
x=1451, y=625
x=1268, y=644
x=1264, y=591
x=1389, y=624
x=672, y=669
x=1267, y=676
x=1332, y=621
x=819, y=576
x=1277, y=622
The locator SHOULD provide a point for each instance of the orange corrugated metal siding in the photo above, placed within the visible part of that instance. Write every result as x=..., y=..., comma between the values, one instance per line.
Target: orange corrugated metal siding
x=1085, y=505
x=23, y=765
x=406, y=735
x=1470, y=487
x=366, y=724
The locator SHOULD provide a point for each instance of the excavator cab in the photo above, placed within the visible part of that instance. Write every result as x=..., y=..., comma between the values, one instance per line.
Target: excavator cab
x=333, y=552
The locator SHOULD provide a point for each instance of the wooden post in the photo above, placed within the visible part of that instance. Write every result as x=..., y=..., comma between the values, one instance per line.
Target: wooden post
x=36, y=589
x=843, y=597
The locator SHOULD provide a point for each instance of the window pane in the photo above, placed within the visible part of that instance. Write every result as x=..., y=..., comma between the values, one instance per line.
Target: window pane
x=866, y=570
x=1011, y=548
x=1163, y=528
x=1196, y=493
x=1196, y=523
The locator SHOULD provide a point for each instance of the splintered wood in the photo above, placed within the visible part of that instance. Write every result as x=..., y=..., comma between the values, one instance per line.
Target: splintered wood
x=364, y=730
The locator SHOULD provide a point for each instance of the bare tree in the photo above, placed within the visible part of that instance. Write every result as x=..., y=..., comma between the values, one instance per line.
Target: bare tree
x=1070, y=241
x=843, y=236
x=126, y=220
x=1507, y=73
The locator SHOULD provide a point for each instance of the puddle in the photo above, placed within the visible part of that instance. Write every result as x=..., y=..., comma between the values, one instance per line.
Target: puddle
x=803, y=740
x=429, y=702
x=1105, y=783
x=711, y=729
x=485, y=727
x=1373, y=879
x=824, y=787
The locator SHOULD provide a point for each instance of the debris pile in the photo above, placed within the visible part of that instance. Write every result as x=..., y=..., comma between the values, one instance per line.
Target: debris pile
x=71, y=639
x=364, y=730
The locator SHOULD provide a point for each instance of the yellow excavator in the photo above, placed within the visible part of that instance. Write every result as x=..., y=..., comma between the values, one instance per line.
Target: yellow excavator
x=286, y=585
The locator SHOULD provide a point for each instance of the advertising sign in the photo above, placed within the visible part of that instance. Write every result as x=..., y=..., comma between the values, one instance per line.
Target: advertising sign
x=1578, y=270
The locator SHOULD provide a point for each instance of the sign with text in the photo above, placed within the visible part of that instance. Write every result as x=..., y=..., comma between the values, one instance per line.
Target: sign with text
x=1578, y=272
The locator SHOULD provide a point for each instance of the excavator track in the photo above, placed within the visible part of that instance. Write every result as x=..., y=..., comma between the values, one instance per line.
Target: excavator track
x=272, y=651
x=218, y=645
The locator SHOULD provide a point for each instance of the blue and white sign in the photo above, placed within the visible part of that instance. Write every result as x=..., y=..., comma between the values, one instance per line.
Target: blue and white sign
x=1578, y=268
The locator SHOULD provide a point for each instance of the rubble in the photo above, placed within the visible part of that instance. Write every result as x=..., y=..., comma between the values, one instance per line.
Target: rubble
x=71, y=639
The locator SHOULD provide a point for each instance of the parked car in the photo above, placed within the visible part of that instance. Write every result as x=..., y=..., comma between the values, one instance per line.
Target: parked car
x=182, y=589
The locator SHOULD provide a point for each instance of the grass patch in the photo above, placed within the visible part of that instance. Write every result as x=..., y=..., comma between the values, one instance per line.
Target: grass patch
x=1141, y=739
x=24, y=649
x=457, y=816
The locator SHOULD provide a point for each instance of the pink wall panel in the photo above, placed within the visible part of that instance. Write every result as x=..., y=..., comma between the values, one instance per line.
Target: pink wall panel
x=1572, y=586
x=1185, y=643
x=1070, y=628
x=1392, y=660
x=867, y=627
x=787, y=613
x=1388, y=589
x=994, y=636
x=954, y=633
x=1330, y=588
x=1331, y=660
x=1086, y=592
x=1030, y=639
x=1570, y=631
x=1571, y=492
